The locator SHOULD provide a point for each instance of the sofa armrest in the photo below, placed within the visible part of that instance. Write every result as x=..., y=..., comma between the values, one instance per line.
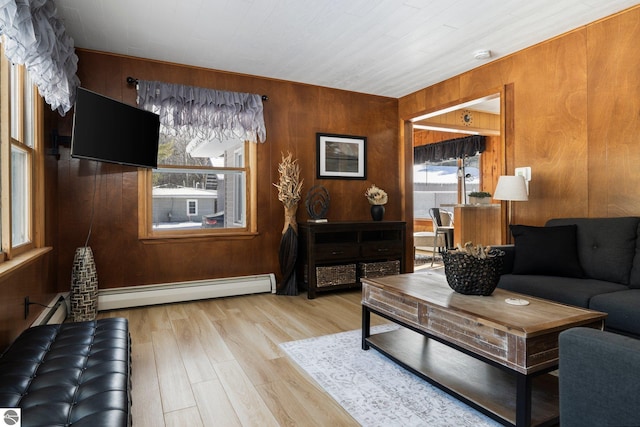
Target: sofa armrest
x=599, y=378
x=509, y=256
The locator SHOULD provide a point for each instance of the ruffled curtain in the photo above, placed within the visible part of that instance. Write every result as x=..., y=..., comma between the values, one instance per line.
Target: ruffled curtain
x=36, y=38
x=458, y=148
x=204, y=114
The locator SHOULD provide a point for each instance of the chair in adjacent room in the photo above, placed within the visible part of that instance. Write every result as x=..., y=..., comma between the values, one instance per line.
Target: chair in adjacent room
x=442, y=226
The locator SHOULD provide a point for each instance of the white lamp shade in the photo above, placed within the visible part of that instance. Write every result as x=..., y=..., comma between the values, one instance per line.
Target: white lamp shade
x=511, y=188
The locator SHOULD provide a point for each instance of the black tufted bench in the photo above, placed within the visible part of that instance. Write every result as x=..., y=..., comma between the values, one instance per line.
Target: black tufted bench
x=73, y=374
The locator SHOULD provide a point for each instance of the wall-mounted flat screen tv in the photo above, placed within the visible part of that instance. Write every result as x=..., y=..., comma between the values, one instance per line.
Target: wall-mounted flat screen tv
x=107, y=130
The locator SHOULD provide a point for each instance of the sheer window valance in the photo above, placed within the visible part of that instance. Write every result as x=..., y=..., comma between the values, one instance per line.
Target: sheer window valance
x=204, y=114
x=36, y=38
x=451, y=149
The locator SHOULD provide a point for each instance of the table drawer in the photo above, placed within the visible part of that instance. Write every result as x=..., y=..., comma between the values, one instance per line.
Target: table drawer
x=382, y=249
x=336, y=252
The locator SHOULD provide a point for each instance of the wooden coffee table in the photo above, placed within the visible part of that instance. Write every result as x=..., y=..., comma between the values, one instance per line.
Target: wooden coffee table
x=489, y=354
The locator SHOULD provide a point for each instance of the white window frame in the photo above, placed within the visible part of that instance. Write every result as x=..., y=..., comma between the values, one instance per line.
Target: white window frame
x=194, y=203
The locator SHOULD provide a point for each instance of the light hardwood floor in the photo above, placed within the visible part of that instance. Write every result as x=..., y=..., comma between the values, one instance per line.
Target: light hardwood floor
x=217, y=362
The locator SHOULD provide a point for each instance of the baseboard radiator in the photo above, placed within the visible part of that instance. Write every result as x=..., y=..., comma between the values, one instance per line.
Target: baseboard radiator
x=136, y=296
x=55, y=312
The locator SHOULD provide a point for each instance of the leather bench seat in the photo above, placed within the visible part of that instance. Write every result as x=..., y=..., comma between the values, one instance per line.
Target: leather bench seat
x=70, y=374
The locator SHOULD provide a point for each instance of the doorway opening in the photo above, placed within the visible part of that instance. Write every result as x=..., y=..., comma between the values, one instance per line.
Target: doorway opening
x=446, y=183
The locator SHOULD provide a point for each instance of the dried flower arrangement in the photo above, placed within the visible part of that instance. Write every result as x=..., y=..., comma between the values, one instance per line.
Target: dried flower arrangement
x=473, y=270
x=289, y=186
x=479, y=251
x=376, y=196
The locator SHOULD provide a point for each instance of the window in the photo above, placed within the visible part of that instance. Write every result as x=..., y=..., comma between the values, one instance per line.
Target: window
x=215, y=182
x=20, y=142
x=436, y=183
x=192, y=208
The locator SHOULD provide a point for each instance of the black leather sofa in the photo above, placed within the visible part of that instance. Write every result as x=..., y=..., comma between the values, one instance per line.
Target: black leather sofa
x=73, y=374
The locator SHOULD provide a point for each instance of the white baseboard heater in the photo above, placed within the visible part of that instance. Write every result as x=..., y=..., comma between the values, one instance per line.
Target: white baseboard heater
x=136, y=296
x=56, y=311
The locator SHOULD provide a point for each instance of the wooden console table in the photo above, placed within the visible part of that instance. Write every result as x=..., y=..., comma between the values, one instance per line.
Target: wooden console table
x=335, y=255
x=494, y=356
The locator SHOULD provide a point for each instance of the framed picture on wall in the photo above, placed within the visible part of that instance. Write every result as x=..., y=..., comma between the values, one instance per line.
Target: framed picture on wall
x=341, y=156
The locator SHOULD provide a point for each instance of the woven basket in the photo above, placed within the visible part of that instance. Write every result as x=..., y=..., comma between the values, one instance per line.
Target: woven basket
x=335, y=275
x=469, y=275
x=379, y=269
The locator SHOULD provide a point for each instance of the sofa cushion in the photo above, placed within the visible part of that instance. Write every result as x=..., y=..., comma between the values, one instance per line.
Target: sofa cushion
x=598, y=379
x=550, y=251
x=567, y=290
x=622, y=309
x=606, y=246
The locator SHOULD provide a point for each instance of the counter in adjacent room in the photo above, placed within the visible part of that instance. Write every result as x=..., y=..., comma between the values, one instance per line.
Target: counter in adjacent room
x=479, y=224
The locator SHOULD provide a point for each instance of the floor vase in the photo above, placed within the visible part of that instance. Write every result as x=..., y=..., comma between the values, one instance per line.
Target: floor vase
x=84, y=286
x=288, y=253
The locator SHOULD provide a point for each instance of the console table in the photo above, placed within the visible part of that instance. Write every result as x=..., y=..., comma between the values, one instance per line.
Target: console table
x=335, y=255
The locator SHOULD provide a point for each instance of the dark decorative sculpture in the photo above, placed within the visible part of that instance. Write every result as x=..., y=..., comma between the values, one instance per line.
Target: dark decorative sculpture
x=317, y=202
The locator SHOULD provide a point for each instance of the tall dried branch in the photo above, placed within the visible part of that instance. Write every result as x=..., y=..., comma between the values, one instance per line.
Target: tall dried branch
x=289, y=186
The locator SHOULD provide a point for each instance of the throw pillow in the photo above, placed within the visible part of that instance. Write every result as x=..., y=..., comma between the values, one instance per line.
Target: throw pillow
x=549, y=251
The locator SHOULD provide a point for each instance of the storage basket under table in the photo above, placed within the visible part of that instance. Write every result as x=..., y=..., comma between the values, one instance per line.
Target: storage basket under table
x=335, y=275
x=379, y=269
x=470, y=275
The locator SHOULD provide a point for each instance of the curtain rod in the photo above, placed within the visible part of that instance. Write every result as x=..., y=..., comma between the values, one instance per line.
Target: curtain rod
x=132, y=81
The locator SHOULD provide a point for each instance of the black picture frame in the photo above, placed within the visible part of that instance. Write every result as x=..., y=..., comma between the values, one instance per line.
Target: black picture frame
x=341, y=156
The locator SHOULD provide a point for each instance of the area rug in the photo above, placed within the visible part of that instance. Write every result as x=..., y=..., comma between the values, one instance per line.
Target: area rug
x=422, y=259
x=373, y=389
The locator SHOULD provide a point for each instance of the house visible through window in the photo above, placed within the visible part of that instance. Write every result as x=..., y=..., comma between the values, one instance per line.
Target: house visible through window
x=211, y=180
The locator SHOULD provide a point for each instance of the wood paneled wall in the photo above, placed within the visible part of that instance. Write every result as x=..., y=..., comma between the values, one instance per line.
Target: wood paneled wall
x=613, y=112
x=293, y=115
x=34, y=280
x=575, y=102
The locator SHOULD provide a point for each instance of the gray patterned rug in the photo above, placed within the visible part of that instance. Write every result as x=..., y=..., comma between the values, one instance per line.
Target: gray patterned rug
x=373, y=389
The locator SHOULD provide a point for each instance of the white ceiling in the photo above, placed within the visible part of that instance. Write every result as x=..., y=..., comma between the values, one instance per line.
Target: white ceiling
x=383, y=47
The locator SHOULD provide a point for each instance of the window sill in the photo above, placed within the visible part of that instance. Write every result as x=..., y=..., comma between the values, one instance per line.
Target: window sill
x=22, y=260
x=188, y=238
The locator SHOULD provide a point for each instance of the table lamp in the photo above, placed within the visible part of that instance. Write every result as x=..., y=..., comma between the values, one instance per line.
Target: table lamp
x=512, y=188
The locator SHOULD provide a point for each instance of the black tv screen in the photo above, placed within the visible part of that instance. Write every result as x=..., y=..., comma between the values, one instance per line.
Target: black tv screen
x=107, y=130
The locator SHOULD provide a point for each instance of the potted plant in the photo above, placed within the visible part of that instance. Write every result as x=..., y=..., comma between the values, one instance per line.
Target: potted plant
x=479, y=197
